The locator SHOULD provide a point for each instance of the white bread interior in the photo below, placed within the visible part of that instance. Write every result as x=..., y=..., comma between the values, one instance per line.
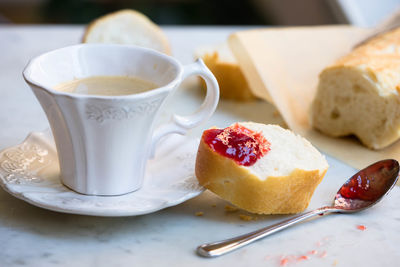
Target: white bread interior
x=127, y=27
x=359, y=94
x=281, y=182
x=222, y=63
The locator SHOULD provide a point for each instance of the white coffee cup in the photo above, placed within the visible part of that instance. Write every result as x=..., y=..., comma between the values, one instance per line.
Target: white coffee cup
x=104, y=142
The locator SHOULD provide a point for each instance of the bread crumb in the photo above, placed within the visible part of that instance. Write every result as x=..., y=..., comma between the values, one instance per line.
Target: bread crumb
x=229, y=208
x=245, y=217
x=276, y=113
x=213, y=205
x=199, y=213
x=335, y=263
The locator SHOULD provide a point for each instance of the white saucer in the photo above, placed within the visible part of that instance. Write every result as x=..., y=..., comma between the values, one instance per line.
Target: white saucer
x=30, y=171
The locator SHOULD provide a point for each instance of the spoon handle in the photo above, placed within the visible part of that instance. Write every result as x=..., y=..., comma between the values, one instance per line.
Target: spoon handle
x=221, y=247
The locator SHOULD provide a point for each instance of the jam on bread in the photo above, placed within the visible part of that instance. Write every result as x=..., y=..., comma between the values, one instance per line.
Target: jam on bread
x=237, y=142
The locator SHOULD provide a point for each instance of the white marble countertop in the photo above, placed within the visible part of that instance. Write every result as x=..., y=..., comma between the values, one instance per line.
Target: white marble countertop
x=31, y=236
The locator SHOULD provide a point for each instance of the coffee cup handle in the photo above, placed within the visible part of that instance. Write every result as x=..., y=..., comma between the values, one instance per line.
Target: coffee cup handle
x=182, y=124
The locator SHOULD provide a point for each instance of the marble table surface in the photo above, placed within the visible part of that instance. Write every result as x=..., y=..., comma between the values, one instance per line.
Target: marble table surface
x=31, y=236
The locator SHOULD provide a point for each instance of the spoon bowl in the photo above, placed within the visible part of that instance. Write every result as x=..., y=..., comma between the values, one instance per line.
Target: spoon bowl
x=363, y=190
x=368, y=186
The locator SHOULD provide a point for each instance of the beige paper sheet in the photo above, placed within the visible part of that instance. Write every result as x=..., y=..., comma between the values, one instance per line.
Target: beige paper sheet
x=282, y=66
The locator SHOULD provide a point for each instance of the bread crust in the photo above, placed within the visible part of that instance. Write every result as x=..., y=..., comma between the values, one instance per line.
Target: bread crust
x=379, y=54
x=236, y=184
x=141, y=19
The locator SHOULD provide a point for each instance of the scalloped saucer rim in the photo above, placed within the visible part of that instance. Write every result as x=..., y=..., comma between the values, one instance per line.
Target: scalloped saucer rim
x=29, y=171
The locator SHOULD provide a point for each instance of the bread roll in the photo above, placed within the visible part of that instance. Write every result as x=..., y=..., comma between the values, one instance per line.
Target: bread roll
x=220, y=60
x=274, y=170
x=127, y=27
x=359, y=94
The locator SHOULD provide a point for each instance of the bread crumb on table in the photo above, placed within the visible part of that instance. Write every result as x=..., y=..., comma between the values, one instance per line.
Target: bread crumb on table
x=199, y=213
x=229, y=208
x=246, y=217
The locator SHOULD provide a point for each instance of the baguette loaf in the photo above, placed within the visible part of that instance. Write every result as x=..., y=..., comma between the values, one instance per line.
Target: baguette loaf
x=127, y=27
x=220, y=60
x=359, y=94
x=266, y=169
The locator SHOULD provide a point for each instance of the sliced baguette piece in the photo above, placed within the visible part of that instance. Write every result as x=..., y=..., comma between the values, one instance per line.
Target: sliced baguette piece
x=222, y=63
x=127, y=27
x=282, y=181
x=360, y=94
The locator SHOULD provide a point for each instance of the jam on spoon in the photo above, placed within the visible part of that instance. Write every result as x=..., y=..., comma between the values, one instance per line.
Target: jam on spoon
x=361, y=191
x=368, y=184
x=238, y=143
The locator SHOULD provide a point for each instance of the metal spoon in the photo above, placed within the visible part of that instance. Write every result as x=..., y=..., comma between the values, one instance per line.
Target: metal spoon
x=361, y=191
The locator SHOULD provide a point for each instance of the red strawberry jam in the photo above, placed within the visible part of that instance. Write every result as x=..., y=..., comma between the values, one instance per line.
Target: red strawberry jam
x=357, y=188
x=368, y=184
x=238, y=143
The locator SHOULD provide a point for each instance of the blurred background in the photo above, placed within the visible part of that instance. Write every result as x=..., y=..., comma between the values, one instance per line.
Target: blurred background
x=203, y=12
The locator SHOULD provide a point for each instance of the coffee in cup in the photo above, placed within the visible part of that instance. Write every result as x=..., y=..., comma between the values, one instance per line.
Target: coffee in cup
x=106, y=86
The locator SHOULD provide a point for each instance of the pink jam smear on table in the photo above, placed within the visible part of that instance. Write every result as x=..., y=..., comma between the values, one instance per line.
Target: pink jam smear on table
x=361, y=227
x=303, y=257
x=284, y=262
x=238, y=143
